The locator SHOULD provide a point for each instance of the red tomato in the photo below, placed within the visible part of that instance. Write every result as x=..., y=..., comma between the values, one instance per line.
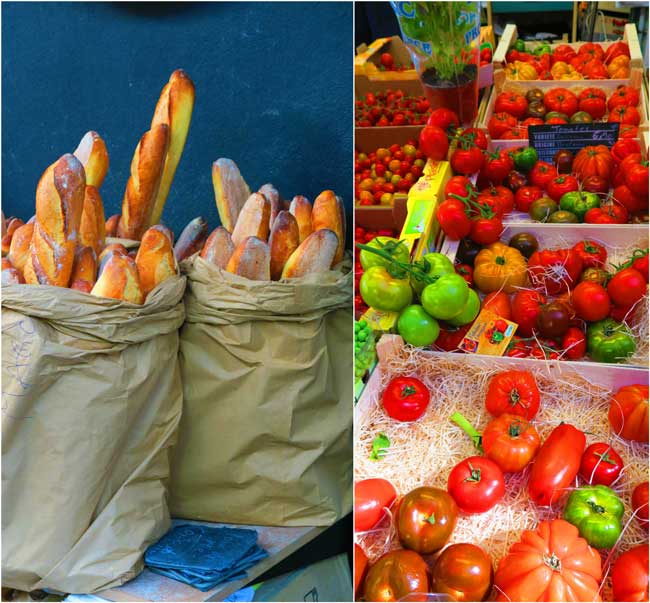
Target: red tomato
x=636, y=178
x=595, y=70
x=607, y=214
x=501, y=194
x=595, y=51
x=511, y=102
x=614, y=50
x=445, y=119
x=434, y=143
x=541, y=174
x=624, y=96
x=466, y=160
x=627, y=287
x=464, y=572
x=595, y=184
x=592, y=254
x=466, y=271
x=525, y=196
x=499, y=303
x=600, y=464
x=624, y=147
x=526, y=307
x=486, y=231
x=532, y=121
x=561, y=185
x=477, y=136
x=640, y=262
x=476, y=484
x=405, y=399
x=459, y=185
x=555, y=271
x=500, y=123
x=511, y=442
x=574, y=344
x=625, y=115
x=628, y=413
x=592, y=101
x=556, y=464
x=371, y=498
x=453, y=219
x=450, y=337
x=562, y=100
x=628, y=131
x=513, y=392
x=360, y=566
x=631, y=202
x=640, y=503
x=517, y=133
x=496, y=167
x=563, y=53
x=590, y=301
x=630, y=575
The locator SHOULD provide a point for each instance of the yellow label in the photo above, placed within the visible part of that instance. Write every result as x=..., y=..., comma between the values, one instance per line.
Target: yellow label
x=489, y=334
x=379, y=320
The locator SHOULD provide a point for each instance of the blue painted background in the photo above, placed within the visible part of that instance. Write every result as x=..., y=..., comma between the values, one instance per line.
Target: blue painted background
x=273, y=92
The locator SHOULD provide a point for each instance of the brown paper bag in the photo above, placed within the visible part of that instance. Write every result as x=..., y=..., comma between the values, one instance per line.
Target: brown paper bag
x=91, y=399
x=265, y=436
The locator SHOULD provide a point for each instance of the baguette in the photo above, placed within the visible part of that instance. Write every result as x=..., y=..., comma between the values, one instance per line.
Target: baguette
x=301, y=209
x=20, y=250
x=94, y=157
x=253, y=219
x=155, y=259
x=218, y=249
x=6, y=264
x=107, y=252
x=284, y=240
x=112, y=224
x=272, y=194
x=92, y=229
x=230, y=191
x=10, y=275
x=192, y=239
x=174, y=109
x=315, y=254
x=142, y=187
x=84, y=268
x=328, y=212
x=12, y=226
x=251, y=259
x=119, y=280
x=59, y=203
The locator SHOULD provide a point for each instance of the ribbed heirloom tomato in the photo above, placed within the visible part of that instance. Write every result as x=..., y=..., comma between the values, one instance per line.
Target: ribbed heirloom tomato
x=511, y=102
x=511, y=442
x=628, y=413
x=513, y=392
x=554, y=270
x=561, y=100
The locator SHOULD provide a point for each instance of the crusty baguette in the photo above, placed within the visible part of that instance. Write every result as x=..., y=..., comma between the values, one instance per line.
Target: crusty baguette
x=59, y=203
x=251, y=259
x=6, y=263
x=111, y=225
x=272, y=194
x=108, y=251
x=12, y=226
x=11, y=276
x=81, y=285
x=142, y=187
x=218, y=248
x=119, y=280
x=168, y=231
x=174, y=109
x=94, y=157
x=20, y=250
x=301, y=209
x=92, y=230
x=253, y=219
x=155, y=259
x=85, y=266
x=315, y=254
x=328, y=212
x=230, y=191
x=284, y=240
x=192, y=239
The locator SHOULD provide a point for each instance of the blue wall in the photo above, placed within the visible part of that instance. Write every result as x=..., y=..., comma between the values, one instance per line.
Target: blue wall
x=273, y=92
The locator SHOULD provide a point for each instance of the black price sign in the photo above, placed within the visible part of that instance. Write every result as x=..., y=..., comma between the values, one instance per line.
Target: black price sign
x=548, y=140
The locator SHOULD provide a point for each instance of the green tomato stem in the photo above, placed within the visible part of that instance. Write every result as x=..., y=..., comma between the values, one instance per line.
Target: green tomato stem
x=469, y=429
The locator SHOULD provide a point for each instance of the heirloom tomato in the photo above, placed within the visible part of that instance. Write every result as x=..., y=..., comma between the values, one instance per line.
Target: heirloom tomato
x=628, y=413
x=499, y=303
x=395, y=575
x=513, y=392
x=562, y=100
x=511, y=102
x=554, y=271
x=384, y=292
x=466, y=271
x=450, y=337
x=624, y=96
x=416, y=327
x=511, y=442
x=470, y=311
x=501, y=194
x=464, y=572
x=445, y=298
x=476, y=484
x=636, y=177
x=594, y=161
x=592, y=101
x=579, y=203
x=595, y=51
x=592, y=254
x=500, y=123
x=553, y=320
x=393, y=246
x=624, y=147
x=600, y=464
x=630, y=575
x=499, y=267
x=526, y=306
x=371, y=498
x=629, y=201
x=557, y=187
x=607, y=214
x=625, y=115
x=610, y=341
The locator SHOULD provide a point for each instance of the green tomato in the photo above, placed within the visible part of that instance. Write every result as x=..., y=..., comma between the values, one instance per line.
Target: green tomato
x=609, y=341
x=470, y=311
x=438, y=264
x=541, y=209
x=579, y=202
x=563, y=217
x=581, y=117
x=384, y=292
x=397, y=249
x=520, y=45
x=552, y=114
x=417, y=327
x=446, y=298
x=525, y=159
x=596, y=511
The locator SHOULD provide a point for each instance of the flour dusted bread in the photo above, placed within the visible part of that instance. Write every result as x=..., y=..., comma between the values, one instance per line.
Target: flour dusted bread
x=10, y=275
x=284, y=240
x=155, y=259
x=119, y=280
x=142, y=186
x=192, y=239
x=253, y=220
x=20, y=249
x=251, y=259
x=218, y=248
x=84, y=270
x=92, y=229
x=230, y=191
x=300, y=207
x=315, y=254
x=13, y=224
x=94, y=157
x=174, y=109
x=328, y=212
x=107, y=252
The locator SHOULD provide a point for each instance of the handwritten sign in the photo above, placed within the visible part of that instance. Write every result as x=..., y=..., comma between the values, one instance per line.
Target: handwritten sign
x=548, y=140
x=18, y=341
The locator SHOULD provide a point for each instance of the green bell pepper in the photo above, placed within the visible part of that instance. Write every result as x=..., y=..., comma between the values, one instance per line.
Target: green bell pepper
x=543, y=48
x=579, y=203
x=520, y=45
x=434, y=264
x=609, y=341
x=525, y=158
x=596, y=511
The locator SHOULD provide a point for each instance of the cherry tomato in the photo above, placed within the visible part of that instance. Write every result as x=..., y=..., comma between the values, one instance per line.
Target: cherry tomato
x=371, y=498
x=511, y=442
x=640, y=503
x=405, y=399
x=513, y=392
x=476, y=484
x=463, y=571
x=600, y=464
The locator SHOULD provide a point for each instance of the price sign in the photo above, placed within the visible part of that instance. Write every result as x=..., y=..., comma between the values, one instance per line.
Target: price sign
x=548, y=140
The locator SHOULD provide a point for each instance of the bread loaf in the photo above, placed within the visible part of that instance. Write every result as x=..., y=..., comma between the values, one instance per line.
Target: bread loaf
x=94, y=157
x=6, y=263
x=272, y=194
x=219, y=248
x=119, y=280
x=12, y=226
x=85, y=267
x=315, y=254
x=251, y=259
x=230, y=191
x=108, y=251
x=174, y=109
x=192, y=239
x=92, y=229
x=20, y=250
x=301, y=209
x=59, y=203
x=328, y=212
x=142, y=187
x=111, y=225
x=283, y=241
x=155, y=259
x=253, y=219
x=10, y=275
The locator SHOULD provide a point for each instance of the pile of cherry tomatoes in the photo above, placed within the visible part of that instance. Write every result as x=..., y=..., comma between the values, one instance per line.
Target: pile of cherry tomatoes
x=391, y=108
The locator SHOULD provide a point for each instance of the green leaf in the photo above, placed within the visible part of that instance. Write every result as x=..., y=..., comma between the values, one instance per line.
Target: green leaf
x=380, y=447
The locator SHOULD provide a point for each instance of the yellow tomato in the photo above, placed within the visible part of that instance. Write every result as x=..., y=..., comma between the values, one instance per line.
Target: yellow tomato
x=499, y=267
x=519, y=70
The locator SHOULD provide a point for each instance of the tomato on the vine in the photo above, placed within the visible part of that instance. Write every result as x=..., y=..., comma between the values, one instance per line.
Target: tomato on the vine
x=476, y=484
x=496, y=166
x=501, y=194
x=477, y=136
x=459, y=185
x=466, y=159
x=513, y=392
x=434, y=143
x=600, y=464
x=453, y=219
x=443, y=118
x=405, y=399
x=511, y=442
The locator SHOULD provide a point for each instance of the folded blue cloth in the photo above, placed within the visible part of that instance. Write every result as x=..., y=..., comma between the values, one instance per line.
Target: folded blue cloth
x=204, y=557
